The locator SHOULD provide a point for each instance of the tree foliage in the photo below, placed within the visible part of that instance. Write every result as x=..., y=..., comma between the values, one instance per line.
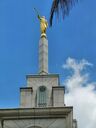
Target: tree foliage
x=61, y=5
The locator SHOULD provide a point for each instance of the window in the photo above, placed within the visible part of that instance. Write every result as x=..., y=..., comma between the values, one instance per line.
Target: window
x=42, y=96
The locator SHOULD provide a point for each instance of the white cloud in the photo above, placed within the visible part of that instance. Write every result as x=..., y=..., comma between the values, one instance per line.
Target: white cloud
x=81, y=94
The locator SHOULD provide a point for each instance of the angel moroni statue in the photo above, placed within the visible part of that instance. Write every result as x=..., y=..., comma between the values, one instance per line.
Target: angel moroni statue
x=43, y=25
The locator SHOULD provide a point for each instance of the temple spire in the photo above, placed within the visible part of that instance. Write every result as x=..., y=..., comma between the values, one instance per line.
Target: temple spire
x=43, y=55
x=43, y=46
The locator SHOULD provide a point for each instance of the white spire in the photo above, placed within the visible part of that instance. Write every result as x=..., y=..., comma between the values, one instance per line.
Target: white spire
x=43, y=55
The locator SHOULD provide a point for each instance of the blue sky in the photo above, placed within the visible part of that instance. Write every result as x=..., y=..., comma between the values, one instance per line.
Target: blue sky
x=19, y=36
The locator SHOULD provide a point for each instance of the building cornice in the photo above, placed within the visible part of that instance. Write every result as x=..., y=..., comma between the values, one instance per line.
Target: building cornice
x=26, y=113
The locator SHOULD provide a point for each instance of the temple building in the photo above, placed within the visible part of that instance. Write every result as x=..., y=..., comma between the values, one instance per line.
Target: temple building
x=41, y=101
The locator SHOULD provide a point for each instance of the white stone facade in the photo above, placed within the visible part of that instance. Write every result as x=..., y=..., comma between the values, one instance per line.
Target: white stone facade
x=41, y=101
x=58, y=117
x=55, y=93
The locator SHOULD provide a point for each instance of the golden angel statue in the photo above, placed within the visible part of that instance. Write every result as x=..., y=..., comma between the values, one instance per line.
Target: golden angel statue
x=43, y=25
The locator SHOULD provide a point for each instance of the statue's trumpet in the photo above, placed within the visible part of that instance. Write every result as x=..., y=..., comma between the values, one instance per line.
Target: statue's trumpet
x=37, y=12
